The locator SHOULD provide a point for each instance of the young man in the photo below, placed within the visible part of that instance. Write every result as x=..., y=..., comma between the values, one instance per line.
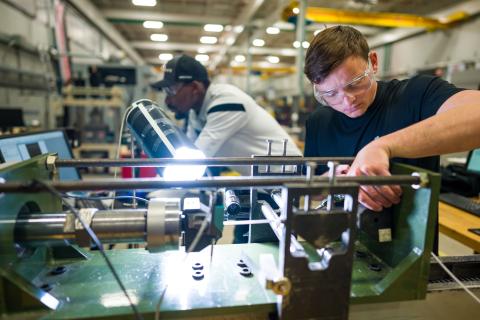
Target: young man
x=222, y=120
x=356, y=109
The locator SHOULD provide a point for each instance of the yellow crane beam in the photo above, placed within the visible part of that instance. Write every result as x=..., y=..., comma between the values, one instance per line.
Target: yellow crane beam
x=377, y=19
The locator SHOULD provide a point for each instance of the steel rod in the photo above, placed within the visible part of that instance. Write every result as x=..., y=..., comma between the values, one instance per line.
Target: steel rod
x=224, y=161
x=216, y=182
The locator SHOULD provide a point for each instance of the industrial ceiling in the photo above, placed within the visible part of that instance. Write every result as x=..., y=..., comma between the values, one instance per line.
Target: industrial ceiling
x=242, y=21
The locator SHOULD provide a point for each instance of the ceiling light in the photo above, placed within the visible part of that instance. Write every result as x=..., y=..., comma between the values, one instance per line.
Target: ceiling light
x=273, y=59
x=273, y=30
x=296, y=10
x=230, y=41
x=152, y=24
x=202, y=50
x=239, y=58
x=238, y=29
x=213, y=27
x=305, y=44
x=296, y=44
x=208, y=40
x=258, y=42
x=165, y=56
x=145, y=3
x=202, y=57
x=159, y=37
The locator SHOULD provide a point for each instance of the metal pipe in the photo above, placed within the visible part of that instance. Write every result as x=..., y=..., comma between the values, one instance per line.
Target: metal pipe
x=217, y=182
x=36, y=229
x=110, y=226
x=221, y=161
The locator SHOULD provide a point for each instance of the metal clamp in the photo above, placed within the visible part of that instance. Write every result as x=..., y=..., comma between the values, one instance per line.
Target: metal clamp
x=163, y=222
x=81, y=235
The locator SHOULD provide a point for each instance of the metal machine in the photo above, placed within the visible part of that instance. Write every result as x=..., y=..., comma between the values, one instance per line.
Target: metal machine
x=300, y=261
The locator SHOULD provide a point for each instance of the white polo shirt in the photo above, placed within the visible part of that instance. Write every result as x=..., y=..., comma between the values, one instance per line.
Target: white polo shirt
x=231, y=124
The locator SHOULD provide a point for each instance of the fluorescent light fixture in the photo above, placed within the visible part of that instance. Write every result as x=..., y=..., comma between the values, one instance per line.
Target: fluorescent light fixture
x=258, y=42
x=296, y=10
x=305, y=44
x=165, y=56
x=230, y=41
x=296, y=44
x=238, y=29
x=202, y=57
x=240, y=58
x=273, y=30
x=202, y=50
x=213, y=27
x=145, y=3
x=159, y=37
x=273, y=59
x=185, y=172
x=150, y=24
x=208, y=40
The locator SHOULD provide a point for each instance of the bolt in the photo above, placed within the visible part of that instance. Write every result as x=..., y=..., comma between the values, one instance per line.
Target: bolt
x=197, y=266
x=360, y=254
x=198, y=275
x=246, y=272
x=58, y=270
x=375, y=267
x=46, y=287
x=241, y=264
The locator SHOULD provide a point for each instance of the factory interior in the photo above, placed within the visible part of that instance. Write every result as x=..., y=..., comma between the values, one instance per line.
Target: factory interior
x=174, y=159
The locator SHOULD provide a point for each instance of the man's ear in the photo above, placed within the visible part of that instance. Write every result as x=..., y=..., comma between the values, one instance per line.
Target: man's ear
x=373, y=60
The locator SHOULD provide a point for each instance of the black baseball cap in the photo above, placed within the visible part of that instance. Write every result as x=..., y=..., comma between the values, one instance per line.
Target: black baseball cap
x=182, y=68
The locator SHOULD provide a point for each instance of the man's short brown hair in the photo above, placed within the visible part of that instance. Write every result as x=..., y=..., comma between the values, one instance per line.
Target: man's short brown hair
x=330, y=48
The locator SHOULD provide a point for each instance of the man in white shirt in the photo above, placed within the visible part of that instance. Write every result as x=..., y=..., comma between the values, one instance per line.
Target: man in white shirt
x=222, y=120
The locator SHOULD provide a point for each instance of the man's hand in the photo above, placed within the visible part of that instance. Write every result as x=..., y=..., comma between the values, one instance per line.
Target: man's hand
x=373, y=160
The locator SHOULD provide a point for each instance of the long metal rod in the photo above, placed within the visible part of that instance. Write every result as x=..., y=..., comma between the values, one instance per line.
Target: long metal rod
x=216, y=182
x=223, y=161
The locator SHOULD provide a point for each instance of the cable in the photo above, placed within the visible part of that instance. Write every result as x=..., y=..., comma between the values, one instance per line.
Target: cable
x=69, y=195
x=199, y=234
x=117, y=153
x=460, y=283
x=95, y=239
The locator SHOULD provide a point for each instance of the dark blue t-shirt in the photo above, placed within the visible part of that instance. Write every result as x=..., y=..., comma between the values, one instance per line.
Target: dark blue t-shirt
x=397, y=104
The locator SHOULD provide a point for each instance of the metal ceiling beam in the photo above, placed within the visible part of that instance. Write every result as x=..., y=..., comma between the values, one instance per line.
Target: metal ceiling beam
x=86, y=8
x=230, y=37
x=172, y=46
x=125, y=14
x=470, y=9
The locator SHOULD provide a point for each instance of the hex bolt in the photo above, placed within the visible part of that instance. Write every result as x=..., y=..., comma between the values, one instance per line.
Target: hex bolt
x=198, y=275
x=246, y=272
x=375, y=267
x=241, y=264
x=46, y=287
x=197, y=266
x=58, y=270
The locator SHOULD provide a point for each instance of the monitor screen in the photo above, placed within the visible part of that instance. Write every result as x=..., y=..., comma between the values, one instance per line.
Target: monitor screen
x=473, y=163
x=25, y=146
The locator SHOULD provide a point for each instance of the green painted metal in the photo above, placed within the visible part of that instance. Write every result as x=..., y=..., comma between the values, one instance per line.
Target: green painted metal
x=88, y=290
x=407, y=256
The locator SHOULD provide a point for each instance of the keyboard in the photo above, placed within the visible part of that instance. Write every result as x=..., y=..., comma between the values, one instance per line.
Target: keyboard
x=461, y=202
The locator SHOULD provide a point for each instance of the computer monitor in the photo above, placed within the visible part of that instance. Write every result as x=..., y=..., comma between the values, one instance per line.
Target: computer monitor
x=25, y=146
x=473, y=162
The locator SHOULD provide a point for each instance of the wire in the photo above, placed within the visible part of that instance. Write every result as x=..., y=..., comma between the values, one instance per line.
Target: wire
x=460, y=283
x=69, y=195
x=95, y=239
x=117, y=153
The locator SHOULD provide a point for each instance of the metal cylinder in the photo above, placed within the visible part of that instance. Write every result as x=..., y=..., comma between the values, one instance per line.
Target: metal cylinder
x=42, y=229
x=117, y=226
x=113, y=226
x=231, y=202
x=163, y=223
